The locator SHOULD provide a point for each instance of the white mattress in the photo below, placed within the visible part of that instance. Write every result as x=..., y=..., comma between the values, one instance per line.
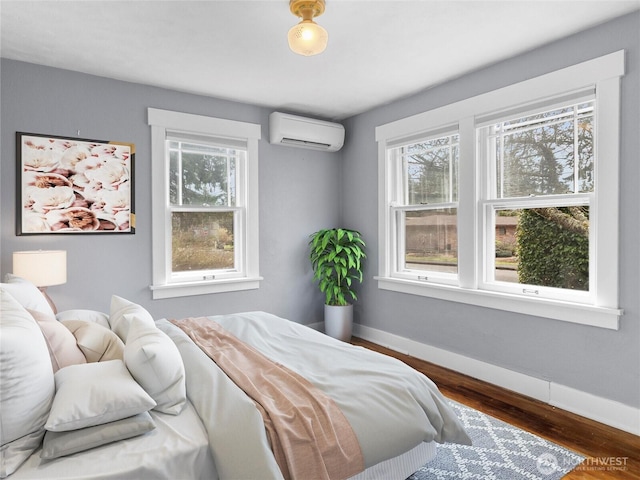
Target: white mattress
x=177, y=448
x=402, y=466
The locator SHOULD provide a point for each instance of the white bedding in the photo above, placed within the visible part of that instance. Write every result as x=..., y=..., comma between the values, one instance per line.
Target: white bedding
x=402, y=466
x=176, y=449
x=394, y=411
x=391, y=407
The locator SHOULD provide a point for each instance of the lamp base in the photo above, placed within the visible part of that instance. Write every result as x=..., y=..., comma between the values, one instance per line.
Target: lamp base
x=51, y=304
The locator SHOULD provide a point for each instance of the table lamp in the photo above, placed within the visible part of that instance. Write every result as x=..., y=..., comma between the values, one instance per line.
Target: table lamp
x=43, y=268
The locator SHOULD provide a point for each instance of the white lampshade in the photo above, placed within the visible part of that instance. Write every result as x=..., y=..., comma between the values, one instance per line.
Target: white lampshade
x=43, y=268
x=308, y=38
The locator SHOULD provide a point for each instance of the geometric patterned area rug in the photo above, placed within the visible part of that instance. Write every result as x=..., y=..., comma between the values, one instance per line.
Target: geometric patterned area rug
x=500, y=451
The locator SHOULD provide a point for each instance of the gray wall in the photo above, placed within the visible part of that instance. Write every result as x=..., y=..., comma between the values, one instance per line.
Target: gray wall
x=300, y=192
x=603, y=362
x=298, y=195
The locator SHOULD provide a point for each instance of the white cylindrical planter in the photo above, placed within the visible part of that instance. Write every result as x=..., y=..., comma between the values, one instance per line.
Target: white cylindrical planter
x=338, y=321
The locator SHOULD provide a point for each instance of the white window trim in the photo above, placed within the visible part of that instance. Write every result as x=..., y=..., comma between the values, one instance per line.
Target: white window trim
x=604, y=74
x=161, y=121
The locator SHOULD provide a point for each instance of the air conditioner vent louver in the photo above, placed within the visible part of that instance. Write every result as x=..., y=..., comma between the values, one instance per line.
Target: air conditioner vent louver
x=294, y=131
x=305, y=144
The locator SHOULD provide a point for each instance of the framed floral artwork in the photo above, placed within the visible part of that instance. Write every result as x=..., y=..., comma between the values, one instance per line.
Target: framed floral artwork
x=73, y=185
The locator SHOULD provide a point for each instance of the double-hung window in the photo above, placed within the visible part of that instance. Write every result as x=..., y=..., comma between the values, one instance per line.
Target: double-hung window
x=425, y=207
x=205, y=237
x=509, y=200
x=537, y=199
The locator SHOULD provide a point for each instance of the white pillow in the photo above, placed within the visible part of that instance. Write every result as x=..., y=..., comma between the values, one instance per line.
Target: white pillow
x=121, y=307
x=59, y=444
x=93, y=394
x=26, y=384
x=155, y=362
x=62, y=345
x=26, y=293
x=85, y=315
x=97, y=343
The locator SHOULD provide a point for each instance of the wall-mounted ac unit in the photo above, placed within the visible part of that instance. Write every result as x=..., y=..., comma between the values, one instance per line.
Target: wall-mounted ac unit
x=294, y=131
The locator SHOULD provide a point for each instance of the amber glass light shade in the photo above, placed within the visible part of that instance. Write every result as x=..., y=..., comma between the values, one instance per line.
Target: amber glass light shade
x=307, y=37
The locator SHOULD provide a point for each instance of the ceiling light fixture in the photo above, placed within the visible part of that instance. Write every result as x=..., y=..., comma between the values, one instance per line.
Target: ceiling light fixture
x=307, y=38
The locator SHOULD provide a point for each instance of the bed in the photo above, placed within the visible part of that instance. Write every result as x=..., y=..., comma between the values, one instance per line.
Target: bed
x=189, y=418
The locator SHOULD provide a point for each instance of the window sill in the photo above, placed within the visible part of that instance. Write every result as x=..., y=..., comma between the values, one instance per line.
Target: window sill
x=203, y=288
x=602, y=317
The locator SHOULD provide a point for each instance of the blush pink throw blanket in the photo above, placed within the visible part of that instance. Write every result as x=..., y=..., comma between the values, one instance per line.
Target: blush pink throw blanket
x=309, y=435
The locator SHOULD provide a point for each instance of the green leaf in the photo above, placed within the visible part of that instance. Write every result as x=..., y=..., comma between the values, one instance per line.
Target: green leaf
x=325, y=241
x=335, y=256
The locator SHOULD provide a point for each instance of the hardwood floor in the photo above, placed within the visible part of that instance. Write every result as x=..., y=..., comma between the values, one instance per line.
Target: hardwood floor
x=609, y=452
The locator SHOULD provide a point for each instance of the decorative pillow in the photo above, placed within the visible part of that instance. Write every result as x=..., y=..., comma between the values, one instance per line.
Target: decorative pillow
x=26, y=293
x=86, y=315
x=59, y=444
x=26, y=384
x=60, y=341
x=121, y=307
x=93, y=394
x=155, y=362
x=97, y=343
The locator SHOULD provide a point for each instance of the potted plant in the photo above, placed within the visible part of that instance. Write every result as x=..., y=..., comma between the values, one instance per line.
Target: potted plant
x=336, y=258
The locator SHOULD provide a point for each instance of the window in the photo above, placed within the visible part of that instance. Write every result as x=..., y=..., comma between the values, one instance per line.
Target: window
x=425, y=207
x=540, y=185
x=205, y=215
x=499, y=200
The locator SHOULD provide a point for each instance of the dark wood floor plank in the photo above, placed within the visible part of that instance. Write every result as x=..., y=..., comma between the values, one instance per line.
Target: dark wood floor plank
x=611, y=453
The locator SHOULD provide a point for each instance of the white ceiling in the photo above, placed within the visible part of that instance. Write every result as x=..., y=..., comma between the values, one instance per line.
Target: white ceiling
x=378, y=51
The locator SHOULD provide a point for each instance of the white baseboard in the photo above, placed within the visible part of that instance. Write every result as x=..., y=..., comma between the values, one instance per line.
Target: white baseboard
x=603, y=410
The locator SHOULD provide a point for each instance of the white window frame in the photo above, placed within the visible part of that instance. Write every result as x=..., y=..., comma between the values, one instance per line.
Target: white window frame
x=246, y=277
x=399, y=205
x=492, y=203
x=602, y=75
